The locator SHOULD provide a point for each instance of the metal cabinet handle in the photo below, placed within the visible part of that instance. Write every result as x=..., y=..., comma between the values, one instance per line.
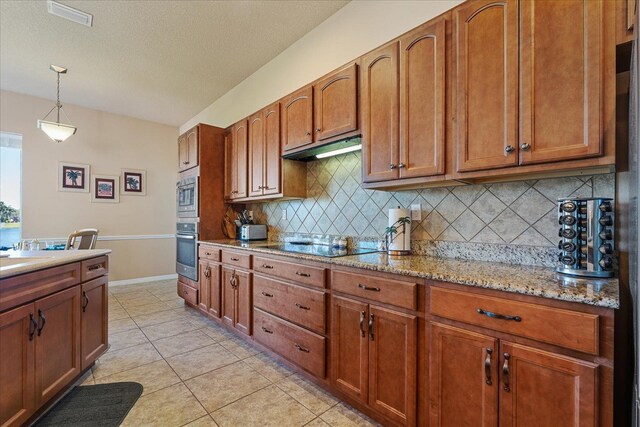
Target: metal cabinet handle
x=270, y=267
x=371, y=318
x=207, y=253
x=94, y=267
x=368, y=288
x=303, y=307
x=317, y=129
x=32, y=326
x=44, y=321
x=268, y=331
x=268, y=295
x=234, y=259
x=362, y=331
x=303, y=274
x=498, y=316
x=232, y=280
x=308, y=133
x=85, y=303
x=487, y=366
x=301, y=348
x=392, y=166
x=505, y=372
x=266, y=187
x=207, y=272
x=260, y=187
x=401, y=165
x=525, y=146
x=509, y=149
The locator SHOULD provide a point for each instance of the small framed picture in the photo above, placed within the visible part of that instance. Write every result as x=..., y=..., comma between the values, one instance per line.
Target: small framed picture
x=73, y=177
x=105, y=188
x=134, y=182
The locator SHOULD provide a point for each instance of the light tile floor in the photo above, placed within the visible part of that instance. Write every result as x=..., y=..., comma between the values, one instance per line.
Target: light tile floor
x=196, y=373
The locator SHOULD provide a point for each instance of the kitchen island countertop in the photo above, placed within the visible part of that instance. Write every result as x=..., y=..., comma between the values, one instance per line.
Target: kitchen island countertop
x=21, y=262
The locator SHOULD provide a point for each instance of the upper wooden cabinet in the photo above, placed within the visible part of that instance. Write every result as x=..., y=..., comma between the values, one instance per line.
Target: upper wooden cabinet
x=297, y=119
x=486, y=83
x=265, y=165
x=256, y=154
x=236, y=148
x=335, y=103
x=188, y=149
x=626, y=15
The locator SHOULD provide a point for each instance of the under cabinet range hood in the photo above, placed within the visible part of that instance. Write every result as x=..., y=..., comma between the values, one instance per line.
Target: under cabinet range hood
x=327, y=150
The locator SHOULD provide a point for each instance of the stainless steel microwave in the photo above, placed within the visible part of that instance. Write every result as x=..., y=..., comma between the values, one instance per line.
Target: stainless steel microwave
x=187, y=197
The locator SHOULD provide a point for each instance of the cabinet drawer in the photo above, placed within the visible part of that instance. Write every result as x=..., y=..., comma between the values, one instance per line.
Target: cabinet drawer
x=236, y=259
x=304, y=274
x=209, y=253
x=188, y=293
x=94, y=267
x=300, y=346
x=303, y=306
x=388, y=291
x=565, y=328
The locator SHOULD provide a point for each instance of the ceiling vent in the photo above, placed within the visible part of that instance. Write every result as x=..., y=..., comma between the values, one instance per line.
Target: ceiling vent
x=66, y=12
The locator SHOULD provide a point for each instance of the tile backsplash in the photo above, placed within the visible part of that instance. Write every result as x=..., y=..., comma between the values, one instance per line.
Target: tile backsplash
x=521, y=213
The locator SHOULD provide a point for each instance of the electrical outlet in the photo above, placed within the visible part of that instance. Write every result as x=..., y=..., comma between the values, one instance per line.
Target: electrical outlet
x=250, y=215
x=284, y=214
x=416, y=212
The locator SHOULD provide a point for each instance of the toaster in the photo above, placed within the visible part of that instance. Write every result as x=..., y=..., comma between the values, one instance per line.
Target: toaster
x=253, y=232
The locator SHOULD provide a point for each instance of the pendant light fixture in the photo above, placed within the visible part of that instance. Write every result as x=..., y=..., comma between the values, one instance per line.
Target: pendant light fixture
x=56, y=130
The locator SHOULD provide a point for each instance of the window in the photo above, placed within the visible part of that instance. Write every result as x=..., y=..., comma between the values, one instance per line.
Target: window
x=10, y=189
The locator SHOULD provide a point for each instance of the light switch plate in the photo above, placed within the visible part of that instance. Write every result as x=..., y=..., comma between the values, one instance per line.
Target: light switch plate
x=284, y=214
x=416, y=212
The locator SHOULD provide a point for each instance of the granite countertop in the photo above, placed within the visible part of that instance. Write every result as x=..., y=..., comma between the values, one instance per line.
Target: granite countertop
x=21, y=262
x=522, y=279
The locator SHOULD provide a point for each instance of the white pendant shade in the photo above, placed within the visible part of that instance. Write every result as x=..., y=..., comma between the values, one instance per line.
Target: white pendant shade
x=56, y=131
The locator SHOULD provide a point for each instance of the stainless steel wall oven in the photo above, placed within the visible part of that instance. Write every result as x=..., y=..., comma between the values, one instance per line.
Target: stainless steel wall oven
x=187, y=249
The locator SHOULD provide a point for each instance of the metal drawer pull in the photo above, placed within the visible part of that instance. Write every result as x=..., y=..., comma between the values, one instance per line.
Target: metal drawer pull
x=487, y=366
x=301, y=348
x=505, y=372
x=267, y=266
x=499, y=316
x=303, y=307
x=235, y=259
x=85, y=301
x=362, y=331
x=303, y=274
x=266, y=294
x=268, y=331
x=32, y=327
x=207, y=272
x=368, y=288
x=207, y=253
x=94, y=267
x=44, y=321
x=371, y=326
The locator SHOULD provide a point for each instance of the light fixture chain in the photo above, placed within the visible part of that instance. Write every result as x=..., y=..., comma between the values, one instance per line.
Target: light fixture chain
x=58, y=100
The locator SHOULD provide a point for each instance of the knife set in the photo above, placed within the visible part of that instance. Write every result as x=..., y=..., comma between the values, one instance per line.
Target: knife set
x=586, y=231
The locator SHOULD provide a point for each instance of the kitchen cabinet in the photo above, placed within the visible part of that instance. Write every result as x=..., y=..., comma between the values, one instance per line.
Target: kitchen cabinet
x=335, y=104
x=256, y=152
x=265, y=165
x=209, y=296
x=626, y=14
x=374, y=357
x=297, y=119
x=188, y=149
x=95, y=314
x=236, y=151
x=236, y=299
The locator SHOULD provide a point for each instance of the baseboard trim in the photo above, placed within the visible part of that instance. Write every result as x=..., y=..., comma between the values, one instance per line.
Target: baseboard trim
x=142, y=280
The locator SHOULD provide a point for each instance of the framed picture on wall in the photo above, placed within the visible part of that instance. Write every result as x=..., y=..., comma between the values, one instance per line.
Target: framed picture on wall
x=134, y=182
x=105, y=188
x=73, y=177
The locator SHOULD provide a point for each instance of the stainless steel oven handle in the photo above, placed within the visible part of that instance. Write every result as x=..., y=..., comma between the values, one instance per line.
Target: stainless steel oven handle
x=185, y=236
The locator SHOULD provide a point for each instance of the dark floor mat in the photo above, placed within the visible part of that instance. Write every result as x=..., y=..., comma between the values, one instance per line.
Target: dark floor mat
x=100, y=405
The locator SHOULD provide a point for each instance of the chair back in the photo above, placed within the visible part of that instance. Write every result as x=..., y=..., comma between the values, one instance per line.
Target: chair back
x=82, y=239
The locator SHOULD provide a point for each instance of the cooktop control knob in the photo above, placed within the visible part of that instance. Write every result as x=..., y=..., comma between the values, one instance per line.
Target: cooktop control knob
x=606, y=220
x=568, y=220
x=606, y=262
x=605, y=206
x=567, y=246
x=606, y=249
x=606, y=235
x=567, y=233
x=568, y=207
x=568, y=260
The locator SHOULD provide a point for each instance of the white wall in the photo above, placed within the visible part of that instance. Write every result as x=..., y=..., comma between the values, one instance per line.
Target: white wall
x=357, y=28
x=107, y=142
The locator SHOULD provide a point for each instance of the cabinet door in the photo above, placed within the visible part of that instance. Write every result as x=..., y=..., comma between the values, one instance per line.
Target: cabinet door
x=240, y=145
x=215, y=293
x=272, y=161
x=243, y=302
x=422, y=101
x=256, y=154
x=546, y=389
x=487, y=84
x=380, y=116
x=230, y=166
x=228, y=296
x=393, y=364
x=335, y=103
x=192, y=147
x=183, y=153
x=350, y=347
x=297, y=119
x=17, y=373
x=57, y=342
x=95, y=315
x=561, y=80
x=204, y=284
x=463, y=378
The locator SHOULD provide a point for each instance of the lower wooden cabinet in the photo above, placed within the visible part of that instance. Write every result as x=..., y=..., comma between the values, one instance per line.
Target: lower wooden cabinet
x=95, y=315
x=209, y=295
x=236, y=299
x=374, y=353
x=477, y=379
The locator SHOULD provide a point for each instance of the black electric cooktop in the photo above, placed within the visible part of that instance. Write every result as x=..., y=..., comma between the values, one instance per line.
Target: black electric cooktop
x=310, y=248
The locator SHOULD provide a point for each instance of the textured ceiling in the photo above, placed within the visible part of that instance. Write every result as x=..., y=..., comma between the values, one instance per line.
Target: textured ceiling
x=162, y=61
